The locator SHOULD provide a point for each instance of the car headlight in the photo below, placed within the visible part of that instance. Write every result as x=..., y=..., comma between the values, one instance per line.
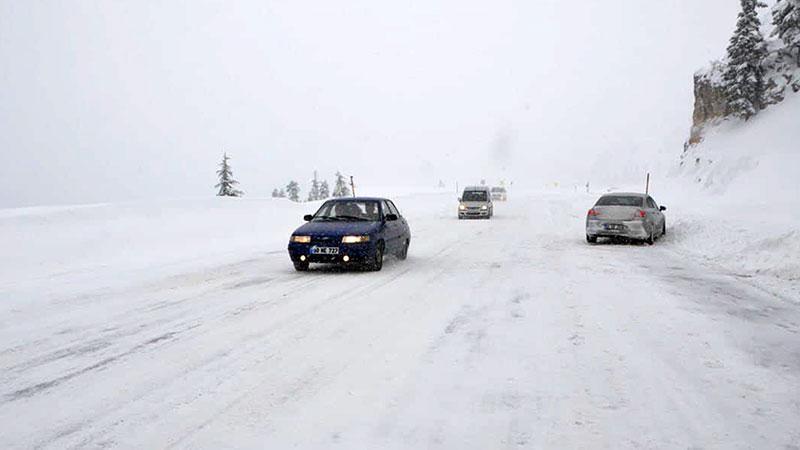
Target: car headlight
x=355, y=239
x=301, y=239
x=484, y=207
x=462, y=207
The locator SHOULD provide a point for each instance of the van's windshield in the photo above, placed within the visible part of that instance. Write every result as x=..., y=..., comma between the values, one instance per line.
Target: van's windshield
x=474, y=196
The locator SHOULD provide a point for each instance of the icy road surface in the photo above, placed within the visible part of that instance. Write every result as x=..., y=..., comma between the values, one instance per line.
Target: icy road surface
x=509, y=333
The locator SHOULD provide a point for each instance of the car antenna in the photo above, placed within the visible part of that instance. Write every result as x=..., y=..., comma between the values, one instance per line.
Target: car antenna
x=352, y=186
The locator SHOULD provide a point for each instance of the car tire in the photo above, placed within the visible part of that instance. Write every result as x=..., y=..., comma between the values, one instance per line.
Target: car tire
x=664, y=229
x=404, y=252
x=650, y=240
x=301, y=266
x=377, y=258
x=591, y=239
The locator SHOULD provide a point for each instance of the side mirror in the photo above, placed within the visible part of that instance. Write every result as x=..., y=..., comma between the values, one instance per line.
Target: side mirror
x=390, y=217
x=459, y=199
x=308, y=217
x=662, y=208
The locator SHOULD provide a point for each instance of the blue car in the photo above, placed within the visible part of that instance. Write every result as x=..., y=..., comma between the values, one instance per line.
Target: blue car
x=357, y=231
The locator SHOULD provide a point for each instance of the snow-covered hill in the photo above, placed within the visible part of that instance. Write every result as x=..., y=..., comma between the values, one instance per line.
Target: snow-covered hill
x=740, y=188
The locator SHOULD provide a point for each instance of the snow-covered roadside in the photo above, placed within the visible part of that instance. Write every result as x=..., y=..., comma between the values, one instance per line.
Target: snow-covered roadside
x=758, y=244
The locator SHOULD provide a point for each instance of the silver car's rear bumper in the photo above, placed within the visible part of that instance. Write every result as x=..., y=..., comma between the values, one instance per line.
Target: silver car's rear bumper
x=633, y=229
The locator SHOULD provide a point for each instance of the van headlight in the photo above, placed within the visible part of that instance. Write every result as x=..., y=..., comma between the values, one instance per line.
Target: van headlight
x=484, y=207
x=301, y=239
x=355, y=239
x=462, y=207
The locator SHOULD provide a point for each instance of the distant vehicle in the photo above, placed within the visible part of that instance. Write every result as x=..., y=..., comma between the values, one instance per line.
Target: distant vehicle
x=475, y=202
x=626, y=215
x=499, y=194
x=356, y=231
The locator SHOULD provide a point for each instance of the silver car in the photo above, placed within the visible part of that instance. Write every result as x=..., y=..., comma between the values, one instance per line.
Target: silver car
x=475, y=202
x=499, y=194
x=626, y=215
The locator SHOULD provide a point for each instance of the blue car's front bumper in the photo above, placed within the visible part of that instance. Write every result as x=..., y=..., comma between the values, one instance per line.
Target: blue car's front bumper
x=354, y=252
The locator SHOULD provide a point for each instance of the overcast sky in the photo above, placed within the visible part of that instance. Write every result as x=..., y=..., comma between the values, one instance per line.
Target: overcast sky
x=117, y=100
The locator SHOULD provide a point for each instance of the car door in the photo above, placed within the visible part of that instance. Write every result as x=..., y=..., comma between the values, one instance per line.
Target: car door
x=660, y=214
x=391, y=228
x=654, y=214
x=404, y=233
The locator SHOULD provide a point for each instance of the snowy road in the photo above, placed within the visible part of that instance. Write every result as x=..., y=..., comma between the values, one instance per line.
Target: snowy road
x=510, y=333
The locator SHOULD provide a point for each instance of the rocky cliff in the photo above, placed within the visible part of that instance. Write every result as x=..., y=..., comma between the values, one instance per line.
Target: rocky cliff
x=710, y=105
x=781, y=75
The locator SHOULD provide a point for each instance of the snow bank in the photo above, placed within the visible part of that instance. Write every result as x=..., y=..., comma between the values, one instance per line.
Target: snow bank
x=736, y=198
x=133, y=241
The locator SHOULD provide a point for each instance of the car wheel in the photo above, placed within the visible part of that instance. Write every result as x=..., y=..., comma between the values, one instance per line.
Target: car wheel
x=377, y=258
x=650, y=240
x=664, y=229
x=301, y=266
x=404, y=252
x=591, y=239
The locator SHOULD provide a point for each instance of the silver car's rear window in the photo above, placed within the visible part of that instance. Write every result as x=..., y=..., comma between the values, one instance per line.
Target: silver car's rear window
x=620, y=200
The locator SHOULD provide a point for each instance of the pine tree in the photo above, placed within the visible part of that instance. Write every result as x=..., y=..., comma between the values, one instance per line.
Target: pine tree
x=227, y=185
x=340, y=189
x=324, y=190
x=786, y=18
x=313, y=194
x=276, y=193
x=744, y=75
x=293, y=191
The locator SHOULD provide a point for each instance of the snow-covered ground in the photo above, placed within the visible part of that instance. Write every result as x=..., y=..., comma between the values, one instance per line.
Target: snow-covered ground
x=182, y=324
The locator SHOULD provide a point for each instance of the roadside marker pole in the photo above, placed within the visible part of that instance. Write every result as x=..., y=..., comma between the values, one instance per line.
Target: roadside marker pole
x=352, y=186
x=647, y=185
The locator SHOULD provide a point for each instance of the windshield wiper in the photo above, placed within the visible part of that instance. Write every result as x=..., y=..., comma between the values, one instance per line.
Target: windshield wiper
x=360, y=219
x=325, y=218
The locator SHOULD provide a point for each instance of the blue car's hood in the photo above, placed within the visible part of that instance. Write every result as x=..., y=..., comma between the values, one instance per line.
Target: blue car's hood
x=337, y=228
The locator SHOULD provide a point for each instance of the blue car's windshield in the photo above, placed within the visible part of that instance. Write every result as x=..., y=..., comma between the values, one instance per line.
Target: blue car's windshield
x=348, y=210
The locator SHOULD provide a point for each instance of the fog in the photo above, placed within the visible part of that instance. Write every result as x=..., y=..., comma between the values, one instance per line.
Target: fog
x=107, y=101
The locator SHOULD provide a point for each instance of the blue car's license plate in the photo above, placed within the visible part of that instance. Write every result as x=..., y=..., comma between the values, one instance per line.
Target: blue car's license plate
x=324, y=250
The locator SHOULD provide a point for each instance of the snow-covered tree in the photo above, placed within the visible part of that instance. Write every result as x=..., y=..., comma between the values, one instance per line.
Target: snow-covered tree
x=276, y=193
x=744, y=75
x=282, y=193
x=313, y=193
x=227, y=185
x=786, y=18
x=293, y=191
x=340, y=189
x=324, y=190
